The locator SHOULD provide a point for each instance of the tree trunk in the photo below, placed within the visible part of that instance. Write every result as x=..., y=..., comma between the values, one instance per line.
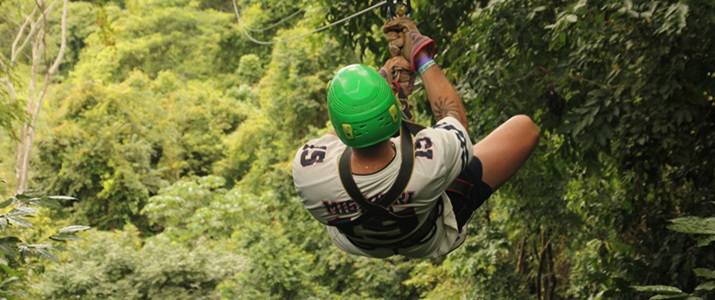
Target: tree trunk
x=35, y=95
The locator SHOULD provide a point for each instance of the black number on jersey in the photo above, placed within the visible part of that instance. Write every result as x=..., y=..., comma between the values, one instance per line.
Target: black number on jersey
x=391, y=229
x=423, y=148
x=312, y=155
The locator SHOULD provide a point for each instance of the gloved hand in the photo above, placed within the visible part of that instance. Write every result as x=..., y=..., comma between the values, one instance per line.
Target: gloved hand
x=399, y=75
x=406, y=40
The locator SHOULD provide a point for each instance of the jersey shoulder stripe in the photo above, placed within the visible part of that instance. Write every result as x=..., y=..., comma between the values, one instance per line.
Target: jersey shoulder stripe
x=461, y=137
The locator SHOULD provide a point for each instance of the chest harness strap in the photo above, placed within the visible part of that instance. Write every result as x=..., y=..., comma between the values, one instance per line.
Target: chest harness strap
x=382, y=207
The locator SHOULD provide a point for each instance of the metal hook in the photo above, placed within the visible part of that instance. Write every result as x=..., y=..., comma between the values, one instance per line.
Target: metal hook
x=399, y=9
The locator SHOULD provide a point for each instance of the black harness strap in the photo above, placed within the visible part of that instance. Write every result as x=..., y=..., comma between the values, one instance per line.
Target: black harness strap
x=382, y=206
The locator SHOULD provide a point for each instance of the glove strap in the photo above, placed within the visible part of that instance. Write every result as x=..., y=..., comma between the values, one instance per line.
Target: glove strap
x=422, y=61
x=424, y=67
x=428, y=46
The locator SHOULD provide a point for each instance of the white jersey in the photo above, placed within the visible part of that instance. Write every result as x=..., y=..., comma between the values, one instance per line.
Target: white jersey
x=441, y=153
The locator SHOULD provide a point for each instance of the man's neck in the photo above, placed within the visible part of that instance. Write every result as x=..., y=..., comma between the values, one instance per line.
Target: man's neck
x=373, y=158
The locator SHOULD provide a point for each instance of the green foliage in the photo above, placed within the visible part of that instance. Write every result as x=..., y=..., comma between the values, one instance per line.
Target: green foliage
x=177, y=203
x=120, y=265
x=12, y=111
x=83, y=19
x=291, y=92
x=696, y=225
x=102, y=150
x=628, y=119
x=17, y=254
x=171, y=119
x=249, y=68
x=11, y=108
x=479, y=269
x=690, y=225
x=109, y=144
x=158, y=36
x=438, y=20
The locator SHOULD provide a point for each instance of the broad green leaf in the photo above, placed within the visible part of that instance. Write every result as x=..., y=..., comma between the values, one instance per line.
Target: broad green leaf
x=659, y=297
x=21, y=211
x=704, y=241
x=74, y=228
x=10, y=239
x=46, y=254
x=8, y=248
x=63, y=198
x=66, y=237
x=707, y=286
x=8, y=281
x=22, y=197
x=19, y=221
x=6, y=203
x=702, y=272
x=693, y=225
x=40, y=246
x=657, y=289
x=29, y=195
x=48, y=202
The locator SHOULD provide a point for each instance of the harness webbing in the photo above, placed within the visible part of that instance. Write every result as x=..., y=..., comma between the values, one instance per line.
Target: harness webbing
x=382, y=206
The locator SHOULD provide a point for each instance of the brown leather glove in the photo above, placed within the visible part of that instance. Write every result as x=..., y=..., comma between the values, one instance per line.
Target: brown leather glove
x=399, y=75
x=406, y=40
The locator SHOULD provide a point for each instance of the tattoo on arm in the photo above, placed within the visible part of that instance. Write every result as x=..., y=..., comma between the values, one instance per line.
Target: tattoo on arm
x=444, y=106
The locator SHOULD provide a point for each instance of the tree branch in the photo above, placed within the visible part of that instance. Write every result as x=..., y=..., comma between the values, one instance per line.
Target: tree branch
x=28, y=20
x=63, y=43
x=10, y=87
x=33, y=28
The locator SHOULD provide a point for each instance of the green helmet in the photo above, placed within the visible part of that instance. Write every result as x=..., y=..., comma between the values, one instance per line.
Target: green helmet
x=362, y=107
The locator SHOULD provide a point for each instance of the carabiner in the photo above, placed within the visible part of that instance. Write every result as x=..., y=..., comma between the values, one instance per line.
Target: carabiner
x=398, y=9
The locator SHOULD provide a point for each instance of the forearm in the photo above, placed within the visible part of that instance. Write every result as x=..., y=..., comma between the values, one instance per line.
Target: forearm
x=443, y=98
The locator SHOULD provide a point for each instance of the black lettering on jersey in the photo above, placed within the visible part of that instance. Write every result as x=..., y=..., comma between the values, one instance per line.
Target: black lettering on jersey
x=340, y=207
x=423, y=148
x=374, y=198
x=312, y=155
x=405, y=198
x=390, y=229
x=344, y=207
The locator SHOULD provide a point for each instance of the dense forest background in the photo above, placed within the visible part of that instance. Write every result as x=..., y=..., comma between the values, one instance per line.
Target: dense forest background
x=173, y=126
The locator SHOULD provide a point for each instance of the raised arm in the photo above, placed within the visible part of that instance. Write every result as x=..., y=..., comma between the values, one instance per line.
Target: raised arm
x=406, y=41
x=443, y=98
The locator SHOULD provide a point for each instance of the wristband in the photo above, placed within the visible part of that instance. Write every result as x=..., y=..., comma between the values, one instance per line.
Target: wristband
x=424, y=67
x=422, y=61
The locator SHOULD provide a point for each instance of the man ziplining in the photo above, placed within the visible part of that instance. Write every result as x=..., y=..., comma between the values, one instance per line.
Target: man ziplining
x=383, y=190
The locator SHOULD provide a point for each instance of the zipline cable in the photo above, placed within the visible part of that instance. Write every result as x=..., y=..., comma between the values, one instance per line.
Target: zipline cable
x=276, y=24
x=243, y=27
